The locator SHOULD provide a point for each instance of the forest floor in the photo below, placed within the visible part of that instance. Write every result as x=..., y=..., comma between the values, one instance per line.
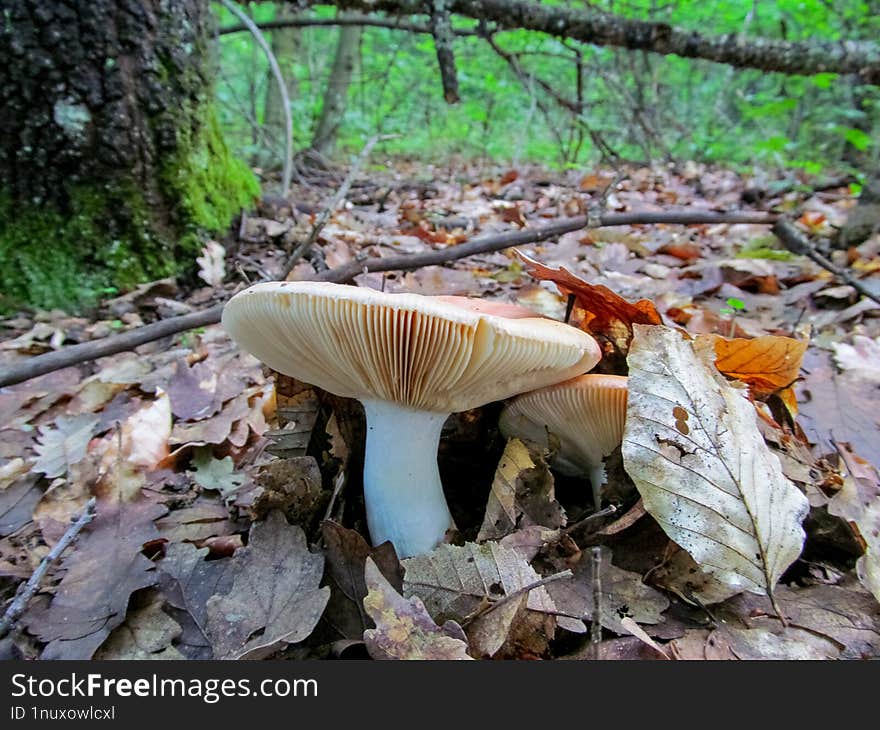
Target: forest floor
x=192, y=450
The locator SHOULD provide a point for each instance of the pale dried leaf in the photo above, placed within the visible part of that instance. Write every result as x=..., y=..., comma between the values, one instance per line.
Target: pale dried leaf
x=693, y=449
x=60, y=447
x=148, y=633
x=404, y=629
x=457, y=581
x=212, y=263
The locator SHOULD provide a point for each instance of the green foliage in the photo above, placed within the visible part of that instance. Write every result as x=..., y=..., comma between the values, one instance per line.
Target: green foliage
x=644, y=106
x=764, y=247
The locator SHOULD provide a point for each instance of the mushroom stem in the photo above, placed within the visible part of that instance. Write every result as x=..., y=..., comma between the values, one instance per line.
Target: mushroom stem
x=402, y=490
x=597, y=479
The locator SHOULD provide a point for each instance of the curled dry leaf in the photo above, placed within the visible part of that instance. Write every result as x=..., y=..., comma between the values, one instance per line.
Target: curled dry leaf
x=274, y=593
x=522, y=494
x=404, y=629
x=694, y=451
x=598, y=310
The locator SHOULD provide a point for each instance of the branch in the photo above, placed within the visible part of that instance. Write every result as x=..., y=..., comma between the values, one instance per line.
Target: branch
x=599, y=28
x=441, y=29
x=74, y=354
x=797, y=243
x=287, y=169
x=370, y=21
x=19, y=604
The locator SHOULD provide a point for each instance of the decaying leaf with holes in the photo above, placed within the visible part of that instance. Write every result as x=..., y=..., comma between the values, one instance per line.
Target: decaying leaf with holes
x=693, y=449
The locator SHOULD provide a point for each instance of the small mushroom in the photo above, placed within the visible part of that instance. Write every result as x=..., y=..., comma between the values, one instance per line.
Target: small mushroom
x=586, y=414
x=411, y=360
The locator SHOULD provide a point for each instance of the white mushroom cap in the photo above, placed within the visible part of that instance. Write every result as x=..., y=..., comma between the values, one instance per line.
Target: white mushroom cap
x=425, y=353
x=586, y=414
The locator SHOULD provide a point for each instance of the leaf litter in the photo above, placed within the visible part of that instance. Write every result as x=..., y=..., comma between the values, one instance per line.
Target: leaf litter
x=215, y=477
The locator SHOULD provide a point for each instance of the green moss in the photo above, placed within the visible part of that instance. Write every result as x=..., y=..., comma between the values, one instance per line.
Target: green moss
x=209, y=184
x=67, y=258
x=108, y=235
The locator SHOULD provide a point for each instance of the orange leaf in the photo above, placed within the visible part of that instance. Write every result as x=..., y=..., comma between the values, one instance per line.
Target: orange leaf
x=599, y=311
x=768, y=364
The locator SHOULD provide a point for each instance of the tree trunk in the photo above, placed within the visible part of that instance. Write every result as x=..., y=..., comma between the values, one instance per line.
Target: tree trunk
x=333, y=110
x=111, y=161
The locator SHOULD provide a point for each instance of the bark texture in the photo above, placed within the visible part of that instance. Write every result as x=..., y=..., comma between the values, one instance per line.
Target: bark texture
x=110, y=159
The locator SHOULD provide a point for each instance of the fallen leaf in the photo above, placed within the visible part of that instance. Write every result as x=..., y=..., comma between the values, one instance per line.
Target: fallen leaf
x=17, y=503
x=693, y=449
x=404, y=629
x=188, y=580
x=346, y=553
x=60, y=447
x=862, y=358
x=835, y=407
x=522, y=494
x=623, y=594
x=217, y=474
x=456, y=582
x=103, y=570
x=274, y=591
x=599, y=311
x=858, y=502
x=212, y=264
x=767, y=364
x=148, y=633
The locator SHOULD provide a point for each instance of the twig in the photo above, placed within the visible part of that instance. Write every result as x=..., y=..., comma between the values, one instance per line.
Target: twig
x=609, y=510
x=596, y=623
x=516, y=594
x=795, y=242
x=287, y=169
x=19, y=604
x=87, y=351
x=325, y=214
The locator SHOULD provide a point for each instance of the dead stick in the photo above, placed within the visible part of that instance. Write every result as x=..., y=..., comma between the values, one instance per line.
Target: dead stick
x=596, y=623
x=87, y=351
x=19, y=604
x=325, y=214
x=799, y=244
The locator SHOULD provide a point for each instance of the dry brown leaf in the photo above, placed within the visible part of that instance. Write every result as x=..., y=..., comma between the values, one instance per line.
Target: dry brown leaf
x=148, y=633
x=599, y=311
x=106, y=567
x=274, y=599
x=768, y=364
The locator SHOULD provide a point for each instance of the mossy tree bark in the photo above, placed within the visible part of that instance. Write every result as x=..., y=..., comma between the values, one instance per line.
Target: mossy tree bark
x=111, y=163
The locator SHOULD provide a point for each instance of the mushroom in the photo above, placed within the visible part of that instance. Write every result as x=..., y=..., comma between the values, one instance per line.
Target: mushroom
x=586, y=414
x=411, y=360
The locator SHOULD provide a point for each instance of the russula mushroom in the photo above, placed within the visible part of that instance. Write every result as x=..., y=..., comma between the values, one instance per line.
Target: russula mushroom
x=411, y=360
x=586, y=414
